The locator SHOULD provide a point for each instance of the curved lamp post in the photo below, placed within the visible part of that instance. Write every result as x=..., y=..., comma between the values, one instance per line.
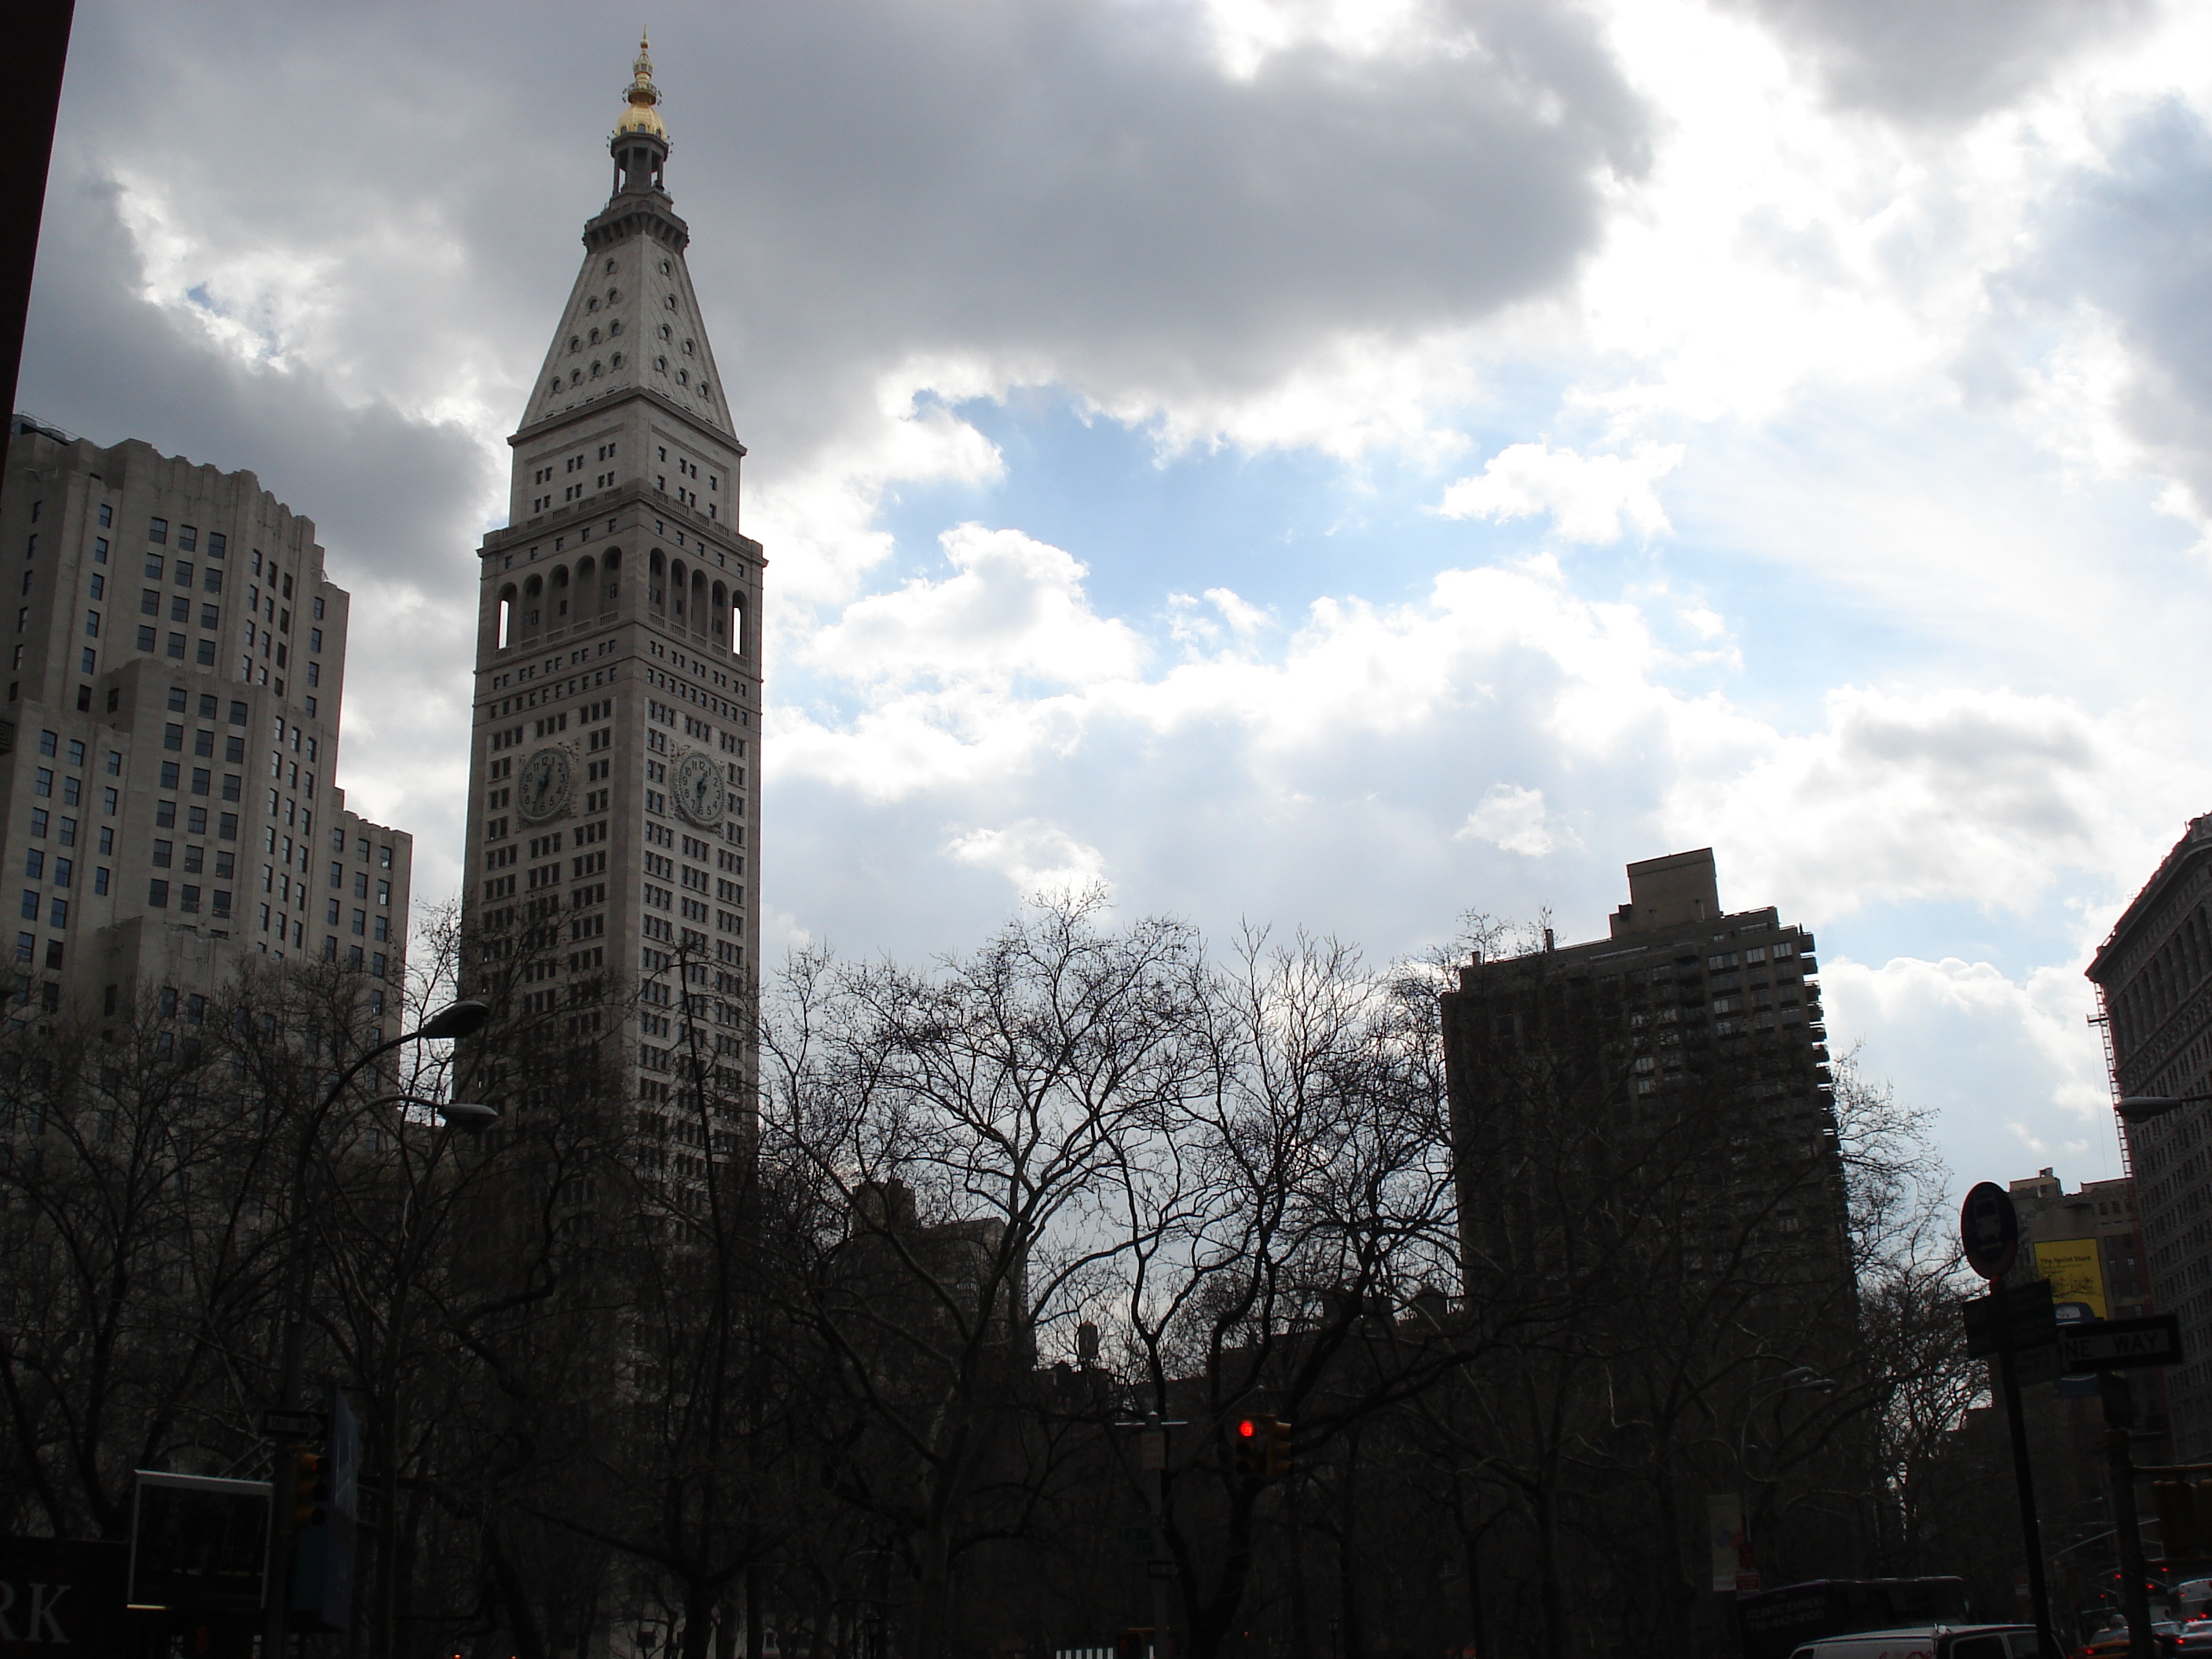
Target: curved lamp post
x=457, y=1019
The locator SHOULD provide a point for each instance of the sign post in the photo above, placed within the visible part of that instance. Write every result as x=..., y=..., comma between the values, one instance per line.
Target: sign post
x=1989, y=1233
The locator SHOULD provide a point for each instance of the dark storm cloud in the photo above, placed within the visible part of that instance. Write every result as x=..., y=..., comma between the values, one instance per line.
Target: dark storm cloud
x=2134, y=240
x=385, y=489
x=1073, y=188
x=1939, y=61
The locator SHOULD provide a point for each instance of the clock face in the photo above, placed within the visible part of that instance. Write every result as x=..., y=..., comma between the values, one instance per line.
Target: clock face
x=698, y=793
x=543, y=786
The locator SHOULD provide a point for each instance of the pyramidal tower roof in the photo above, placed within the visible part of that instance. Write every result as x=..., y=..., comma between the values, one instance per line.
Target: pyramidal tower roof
x=632, y=322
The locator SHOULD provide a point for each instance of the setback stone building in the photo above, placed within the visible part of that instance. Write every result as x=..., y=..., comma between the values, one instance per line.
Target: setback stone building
x=613, y=810
x=2154, y=978
x=169, y=749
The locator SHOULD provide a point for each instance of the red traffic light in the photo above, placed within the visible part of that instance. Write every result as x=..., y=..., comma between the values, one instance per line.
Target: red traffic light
x=1248, y=1429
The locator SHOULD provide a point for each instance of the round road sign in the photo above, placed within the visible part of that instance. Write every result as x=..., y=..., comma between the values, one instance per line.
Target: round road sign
x=1988, y=1229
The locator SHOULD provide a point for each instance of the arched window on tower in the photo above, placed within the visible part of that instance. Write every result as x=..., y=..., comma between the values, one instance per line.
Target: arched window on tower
x=701, y=624
x=506, y=618
x=655, y=593
x=533, y=599
x=587, y=589
x=558, y=617
x=675, y=579
x=738, y=642
x=612, y=578
x=721, y=615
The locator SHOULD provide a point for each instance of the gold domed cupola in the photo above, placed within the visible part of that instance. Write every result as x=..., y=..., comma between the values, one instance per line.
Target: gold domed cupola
x=641, y=116
x=640, y=144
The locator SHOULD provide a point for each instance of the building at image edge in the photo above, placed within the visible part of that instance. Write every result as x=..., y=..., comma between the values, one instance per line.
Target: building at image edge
x=171, y=735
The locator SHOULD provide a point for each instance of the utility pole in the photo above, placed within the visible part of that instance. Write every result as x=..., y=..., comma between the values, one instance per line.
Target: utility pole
x=1152, y=1464
x=2119, y=1418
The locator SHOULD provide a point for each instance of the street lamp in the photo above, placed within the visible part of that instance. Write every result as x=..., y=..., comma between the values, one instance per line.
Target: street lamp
x=457, y=1019
x=2135, y=1109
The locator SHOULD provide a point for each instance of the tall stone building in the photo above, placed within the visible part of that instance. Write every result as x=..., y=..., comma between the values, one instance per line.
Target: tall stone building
x=611, y=811
x=171, y=734
x=2154, y=977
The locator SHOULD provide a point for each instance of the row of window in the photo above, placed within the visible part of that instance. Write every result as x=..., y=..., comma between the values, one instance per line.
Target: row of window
x=188, y=538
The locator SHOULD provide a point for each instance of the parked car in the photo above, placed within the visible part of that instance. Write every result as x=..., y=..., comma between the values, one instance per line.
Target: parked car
x=2113, y=1644
x=1928, y=1641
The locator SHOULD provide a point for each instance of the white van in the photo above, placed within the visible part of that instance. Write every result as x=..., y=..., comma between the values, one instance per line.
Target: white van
x=1927, y=1642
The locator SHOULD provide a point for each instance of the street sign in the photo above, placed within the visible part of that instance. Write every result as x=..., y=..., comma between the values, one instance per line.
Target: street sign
x=1159, y=1569
x=2124, y=1344
x=1988, y=1229
x=2031, y=1366
x=292, y=1426
x=2015, y=1317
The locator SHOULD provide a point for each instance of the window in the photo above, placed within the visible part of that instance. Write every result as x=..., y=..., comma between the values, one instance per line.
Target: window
x=99, y=549
x=43, y=782
x=171, y=770
x=177, y=647
x=359, y=922
x=106, y=516
x=188, y=538
x=34, y=866
x=76, y=751
x=99, y=878
x=218, y=543
x=91, y=624
x=145, y=639
x=314, y=638
x=319, y=610
x=157, y=897
x=30, y=905
x=157, y=531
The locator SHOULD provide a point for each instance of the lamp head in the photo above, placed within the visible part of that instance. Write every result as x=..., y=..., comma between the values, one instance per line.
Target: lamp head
x=2135, y=1109
x=458, y=1019
x=470, y=1114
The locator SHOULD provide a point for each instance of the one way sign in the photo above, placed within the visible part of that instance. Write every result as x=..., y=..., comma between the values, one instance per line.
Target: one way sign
x=2121, y=1343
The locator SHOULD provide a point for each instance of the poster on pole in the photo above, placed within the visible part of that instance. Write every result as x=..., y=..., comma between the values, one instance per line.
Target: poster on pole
x=1731, y=1542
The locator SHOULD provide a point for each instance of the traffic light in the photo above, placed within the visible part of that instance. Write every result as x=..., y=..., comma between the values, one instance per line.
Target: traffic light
x=1278, y=1457
x=1132, y=1643
x=311, y=1488
x=1249, y=1449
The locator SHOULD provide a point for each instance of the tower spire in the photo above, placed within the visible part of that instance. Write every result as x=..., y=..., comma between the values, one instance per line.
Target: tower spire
x=641, y=116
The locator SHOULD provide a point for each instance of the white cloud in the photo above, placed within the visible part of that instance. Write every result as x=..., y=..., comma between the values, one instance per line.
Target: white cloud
x=1988, y=797
x=1588, y=497
x=1512, y=818
x=1014, y=607
x=2010, y=1061
x=1038, y=857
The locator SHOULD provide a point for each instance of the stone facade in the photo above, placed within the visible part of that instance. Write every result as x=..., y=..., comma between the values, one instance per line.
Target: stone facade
x=169, y=750
x=2154, y=976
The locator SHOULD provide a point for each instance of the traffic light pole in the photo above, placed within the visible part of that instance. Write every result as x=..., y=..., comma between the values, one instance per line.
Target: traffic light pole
x=2119, y=1418
x=1160, y=1569
x=2031, y=1528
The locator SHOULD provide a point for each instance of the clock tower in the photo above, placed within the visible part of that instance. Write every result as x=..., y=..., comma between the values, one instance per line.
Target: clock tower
x=613, y=825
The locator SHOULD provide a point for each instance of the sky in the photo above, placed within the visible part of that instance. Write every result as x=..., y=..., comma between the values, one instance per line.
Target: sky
x=1330, y=466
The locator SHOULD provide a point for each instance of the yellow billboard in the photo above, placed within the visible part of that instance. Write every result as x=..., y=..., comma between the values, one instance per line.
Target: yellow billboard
x=2075, y=1268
